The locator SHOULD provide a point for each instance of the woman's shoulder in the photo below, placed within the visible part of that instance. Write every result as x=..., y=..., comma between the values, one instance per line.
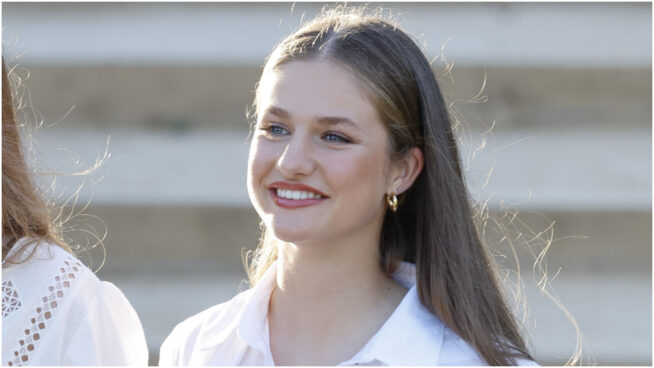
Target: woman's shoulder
x=36, y=254
x=47, y=268
x=54, y=273
x=458, y=352
x=216, y=322
x=67, y=310
x=216, y=315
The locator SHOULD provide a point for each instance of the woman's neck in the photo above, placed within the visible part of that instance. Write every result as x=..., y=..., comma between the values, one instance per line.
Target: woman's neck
x=311, y=272
x=330, y=298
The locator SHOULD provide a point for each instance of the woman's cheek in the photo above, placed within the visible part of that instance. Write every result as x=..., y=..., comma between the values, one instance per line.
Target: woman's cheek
x=259, y=155
x=256, y=168
x=363, y=167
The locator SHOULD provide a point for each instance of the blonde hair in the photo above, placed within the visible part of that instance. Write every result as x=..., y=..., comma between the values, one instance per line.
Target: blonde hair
x=25, y=213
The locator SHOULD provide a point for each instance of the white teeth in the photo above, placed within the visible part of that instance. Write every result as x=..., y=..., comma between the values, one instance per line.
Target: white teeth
x=297, y=194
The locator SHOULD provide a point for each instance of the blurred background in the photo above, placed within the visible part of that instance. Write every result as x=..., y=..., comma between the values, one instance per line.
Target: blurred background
x=554, y=99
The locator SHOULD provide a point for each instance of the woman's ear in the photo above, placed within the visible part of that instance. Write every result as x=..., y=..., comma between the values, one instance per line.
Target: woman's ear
x=406, y=170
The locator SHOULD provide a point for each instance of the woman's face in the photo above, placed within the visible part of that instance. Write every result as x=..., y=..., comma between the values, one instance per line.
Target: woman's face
x=318, y=167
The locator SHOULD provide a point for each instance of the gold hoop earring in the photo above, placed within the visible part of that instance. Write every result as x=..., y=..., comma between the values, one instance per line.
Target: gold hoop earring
x=391, y=199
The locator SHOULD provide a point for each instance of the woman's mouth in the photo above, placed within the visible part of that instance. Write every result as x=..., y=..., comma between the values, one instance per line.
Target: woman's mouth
x=295, y=195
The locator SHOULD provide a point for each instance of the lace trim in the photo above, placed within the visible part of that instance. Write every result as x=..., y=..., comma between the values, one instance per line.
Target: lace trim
x=45, y=313
x=10, y=299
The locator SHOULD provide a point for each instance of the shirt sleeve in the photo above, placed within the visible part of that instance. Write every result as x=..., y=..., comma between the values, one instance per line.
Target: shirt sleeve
x=169, y=352
x=176, y=349
x=110, y=332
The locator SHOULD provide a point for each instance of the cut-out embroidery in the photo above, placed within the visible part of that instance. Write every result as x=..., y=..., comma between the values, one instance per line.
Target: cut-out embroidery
x=10, y=299
x=44, y=313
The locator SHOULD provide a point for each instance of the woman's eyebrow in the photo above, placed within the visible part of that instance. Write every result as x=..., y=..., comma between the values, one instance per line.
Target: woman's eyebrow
x=327, y=120
x=333, y=120
x=277, y=111
x=338, y=120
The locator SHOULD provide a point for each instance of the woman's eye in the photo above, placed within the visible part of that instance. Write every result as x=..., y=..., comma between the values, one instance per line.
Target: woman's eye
x=336, y=138
x=275, y=130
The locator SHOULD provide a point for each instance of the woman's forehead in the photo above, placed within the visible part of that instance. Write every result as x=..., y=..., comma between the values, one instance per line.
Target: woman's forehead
x=317, y=88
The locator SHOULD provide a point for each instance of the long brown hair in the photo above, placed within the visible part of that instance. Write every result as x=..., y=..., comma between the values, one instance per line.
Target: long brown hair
x=25, y=213
x=434, y=226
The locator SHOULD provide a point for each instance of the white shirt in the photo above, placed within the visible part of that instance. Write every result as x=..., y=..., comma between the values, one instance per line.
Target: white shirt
x=236, y=333
x=55, y=311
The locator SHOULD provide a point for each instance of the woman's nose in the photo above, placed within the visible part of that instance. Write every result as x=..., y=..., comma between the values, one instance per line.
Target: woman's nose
x=297, y=159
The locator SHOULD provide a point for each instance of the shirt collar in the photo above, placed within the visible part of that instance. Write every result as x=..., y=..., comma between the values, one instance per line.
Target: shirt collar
x=252, y=320
x=412, y=335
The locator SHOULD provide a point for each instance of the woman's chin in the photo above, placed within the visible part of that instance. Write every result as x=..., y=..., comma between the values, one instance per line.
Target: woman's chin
x=288, y=236
x=291, y=234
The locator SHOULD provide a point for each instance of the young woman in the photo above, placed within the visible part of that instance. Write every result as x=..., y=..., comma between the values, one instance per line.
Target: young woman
x=55, y=311
x=370, y=255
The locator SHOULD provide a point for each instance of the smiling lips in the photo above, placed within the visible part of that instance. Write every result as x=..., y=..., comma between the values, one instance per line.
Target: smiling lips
x=295, y=195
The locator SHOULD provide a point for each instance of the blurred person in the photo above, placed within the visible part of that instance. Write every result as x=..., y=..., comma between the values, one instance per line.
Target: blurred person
x=369, y=254
x=55, y=311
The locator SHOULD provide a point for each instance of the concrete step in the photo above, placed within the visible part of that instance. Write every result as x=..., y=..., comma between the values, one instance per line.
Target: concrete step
x=583, y=169
x=513, y=34
x=581, y=242
x=185, y=98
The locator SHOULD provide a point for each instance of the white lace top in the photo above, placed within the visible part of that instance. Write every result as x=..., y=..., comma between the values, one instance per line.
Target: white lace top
x=55, y=311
